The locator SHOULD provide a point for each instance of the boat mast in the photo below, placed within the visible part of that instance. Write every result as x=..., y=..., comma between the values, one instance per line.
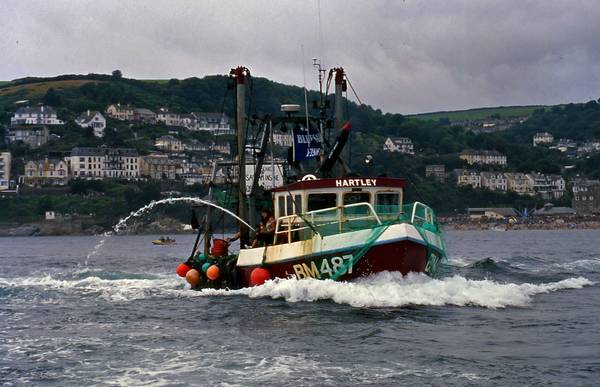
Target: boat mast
x=339, y=88
x=239, y=73
x=207, y=218
x=321, y=70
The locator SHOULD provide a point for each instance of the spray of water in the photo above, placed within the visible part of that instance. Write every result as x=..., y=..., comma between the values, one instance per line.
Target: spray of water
x=122, y=224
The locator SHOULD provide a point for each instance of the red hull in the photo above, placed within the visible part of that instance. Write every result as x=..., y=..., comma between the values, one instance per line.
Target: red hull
x=404, y=257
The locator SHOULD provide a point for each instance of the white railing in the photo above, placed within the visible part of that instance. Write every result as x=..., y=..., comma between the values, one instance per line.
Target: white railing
x=427, y=212
x=294, y=223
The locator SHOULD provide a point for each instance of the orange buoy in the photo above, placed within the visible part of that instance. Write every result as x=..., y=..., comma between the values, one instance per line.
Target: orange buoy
x=220, y=247
x=259, y=276
x=182, y=269
x=193, y=277
x=213, y=272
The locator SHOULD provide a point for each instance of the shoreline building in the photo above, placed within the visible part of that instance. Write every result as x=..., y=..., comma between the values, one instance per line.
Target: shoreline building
x=102, y=162
x=586, y=196
x=46, y=172
x=159, y=167
x=5, y=161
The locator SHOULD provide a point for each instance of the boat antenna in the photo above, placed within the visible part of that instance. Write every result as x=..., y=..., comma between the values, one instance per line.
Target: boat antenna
x=321, y=71
x=320, y=31
x=305, y=91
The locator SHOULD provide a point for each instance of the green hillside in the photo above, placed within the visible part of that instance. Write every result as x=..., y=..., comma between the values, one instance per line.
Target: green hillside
x=435, y=140
x=480, y=113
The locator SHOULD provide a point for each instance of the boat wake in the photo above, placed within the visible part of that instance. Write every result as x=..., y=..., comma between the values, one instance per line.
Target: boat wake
x=386, y=290
x=383, y=290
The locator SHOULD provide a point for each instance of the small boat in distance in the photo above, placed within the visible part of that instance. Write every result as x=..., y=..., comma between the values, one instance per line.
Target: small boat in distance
x=163, y=241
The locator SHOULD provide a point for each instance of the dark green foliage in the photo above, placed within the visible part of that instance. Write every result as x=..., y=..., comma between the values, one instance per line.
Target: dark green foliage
x=436, y=141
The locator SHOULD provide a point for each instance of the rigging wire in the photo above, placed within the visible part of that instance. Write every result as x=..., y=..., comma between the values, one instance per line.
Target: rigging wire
x=353, y=91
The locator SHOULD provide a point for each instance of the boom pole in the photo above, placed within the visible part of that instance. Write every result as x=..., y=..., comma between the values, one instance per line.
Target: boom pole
x=239, y=73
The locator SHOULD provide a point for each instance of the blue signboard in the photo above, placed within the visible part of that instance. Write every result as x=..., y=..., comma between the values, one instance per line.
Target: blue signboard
x=307, y=143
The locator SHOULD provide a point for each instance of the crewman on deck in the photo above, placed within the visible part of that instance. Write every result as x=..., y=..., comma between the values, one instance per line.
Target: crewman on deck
x=266, y=229
x=265, y=232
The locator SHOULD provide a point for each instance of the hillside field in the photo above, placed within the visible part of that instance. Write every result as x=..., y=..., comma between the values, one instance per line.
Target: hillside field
x=480, y=113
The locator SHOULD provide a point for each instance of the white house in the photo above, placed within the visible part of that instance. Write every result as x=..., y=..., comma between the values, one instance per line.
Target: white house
x=168, y=118
x=216, y=123
x=5, y=160
x=495, y=181
x=548, y=186
x=402, y=145
x=483, y=157
x=94, y=120
x=102, y=162
x=37, y=115
x=169, y=143
x=542, y=138
x=468, y=177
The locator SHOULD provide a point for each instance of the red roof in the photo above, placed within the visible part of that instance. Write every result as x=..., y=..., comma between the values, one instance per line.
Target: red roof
x=344, y=182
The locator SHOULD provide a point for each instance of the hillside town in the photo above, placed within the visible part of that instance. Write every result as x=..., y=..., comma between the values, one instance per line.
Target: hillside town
x=585, y=193
x=179, y=159
x=172, y=158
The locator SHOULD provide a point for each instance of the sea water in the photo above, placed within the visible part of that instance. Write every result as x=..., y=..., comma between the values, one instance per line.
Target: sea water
x=509, y=308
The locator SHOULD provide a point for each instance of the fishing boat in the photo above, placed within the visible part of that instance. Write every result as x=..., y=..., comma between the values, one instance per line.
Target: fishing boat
x=327, y=226
x=164, y=241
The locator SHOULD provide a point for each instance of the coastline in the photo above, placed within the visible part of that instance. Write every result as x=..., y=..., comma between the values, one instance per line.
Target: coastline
x=592, y=223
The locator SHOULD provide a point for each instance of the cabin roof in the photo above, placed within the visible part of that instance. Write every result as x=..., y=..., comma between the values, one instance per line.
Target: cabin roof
x=344, y=182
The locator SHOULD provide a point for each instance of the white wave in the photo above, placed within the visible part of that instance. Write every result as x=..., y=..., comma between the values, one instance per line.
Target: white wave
x=393, y=290
x=459, y=261
x=580, y=264
x=108, y=289
x=380, y=290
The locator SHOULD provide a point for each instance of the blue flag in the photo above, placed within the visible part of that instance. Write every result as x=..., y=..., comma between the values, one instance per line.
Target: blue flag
x=307, y=143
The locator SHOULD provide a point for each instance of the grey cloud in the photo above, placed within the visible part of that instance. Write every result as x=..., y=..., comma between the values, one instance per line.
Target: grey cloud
x=402, y=56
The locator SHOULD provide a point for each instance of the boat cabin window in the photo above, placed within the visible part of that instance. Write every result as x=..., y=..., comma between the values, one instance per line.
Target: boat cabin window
x=281, y=205
x=387, y=202
x=298, y=203
x=319, y=201
x=289, y=205
x=356, y=197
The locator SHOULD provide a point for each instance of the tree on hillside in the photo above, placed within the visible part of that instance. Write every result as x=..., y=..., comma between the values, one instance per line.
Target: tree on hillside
x=52, y=98
x=117, y=74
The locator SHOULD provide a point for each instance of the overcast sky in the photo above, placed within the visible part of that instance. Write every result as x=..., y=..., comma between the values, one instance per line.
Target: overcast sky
x=401, y=56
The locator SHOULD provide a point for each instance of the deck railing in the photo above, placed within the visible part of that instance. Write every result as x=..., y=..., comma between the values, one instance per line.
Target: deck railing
x=350, y=217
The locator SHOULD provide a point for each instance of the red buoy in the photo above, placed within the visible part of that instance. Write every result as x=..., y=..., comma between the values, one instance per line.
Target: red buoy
x=213, y=273
x=182, y=269
x=220, y=247
x=193, y=278
x=259, y=276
